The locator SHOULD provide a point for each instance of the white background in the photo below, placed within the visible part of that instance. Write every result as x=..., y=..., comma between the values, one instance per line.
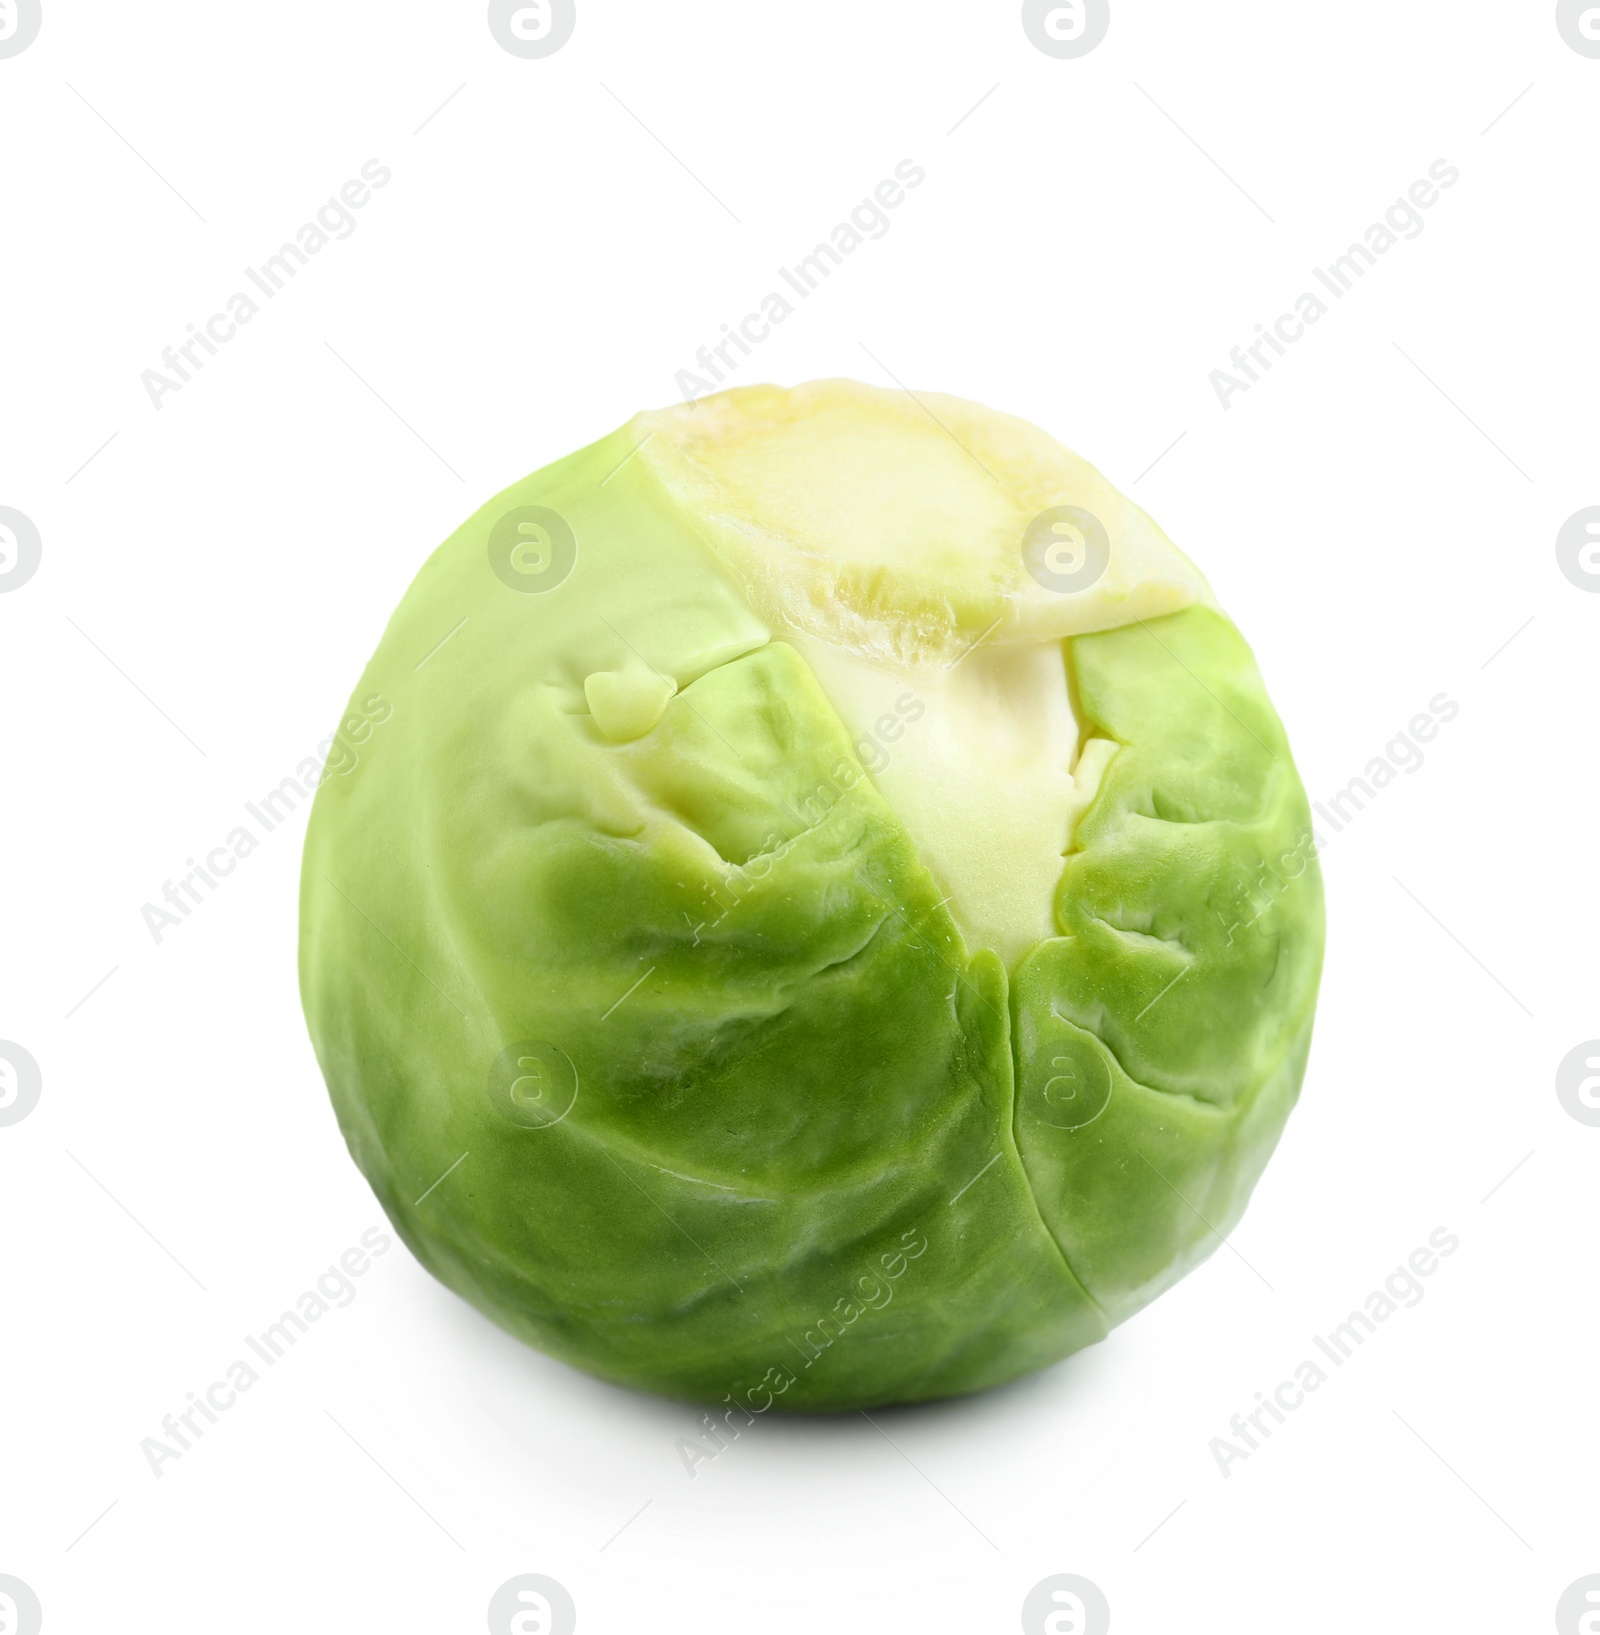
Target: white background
x=1379, y=514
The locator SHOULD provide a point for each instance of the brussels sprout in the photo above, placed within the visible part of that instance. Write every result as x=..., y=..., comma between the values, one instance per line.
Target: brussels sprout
x=828, y=916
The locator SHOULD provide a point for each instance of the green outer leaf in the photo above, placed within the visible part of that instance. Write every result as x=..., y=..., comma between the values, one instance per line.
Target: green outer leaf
x=1163, y=1037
